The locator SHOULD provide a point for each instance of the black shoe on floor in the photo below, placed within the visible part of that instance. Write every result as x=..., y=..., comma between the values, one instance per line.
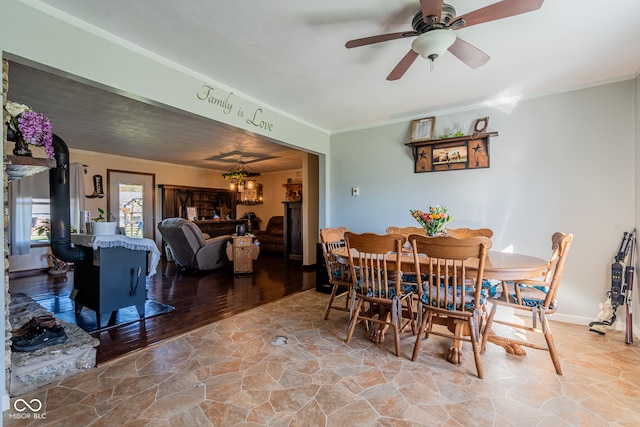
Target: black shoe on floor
x=40, y=337
x=45, y=321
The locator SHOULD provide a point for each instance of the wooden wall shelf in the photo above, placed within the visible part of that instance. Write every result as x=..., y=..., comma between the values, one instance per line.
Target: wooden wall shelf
x=293, y=191
x=21, y=166
x=241, y=202
x=463, y=152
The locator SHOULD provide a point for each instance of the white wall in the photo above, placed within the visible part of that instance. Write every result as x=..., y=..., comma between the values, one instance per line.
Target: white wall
x=560, y=163
x=68, y=45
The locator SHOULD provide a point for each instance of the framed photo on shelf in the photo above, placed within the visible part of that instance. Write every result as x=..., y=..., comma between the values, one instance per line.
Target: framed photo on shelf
x=192, y=213
x=423, y=129
x=481, y=125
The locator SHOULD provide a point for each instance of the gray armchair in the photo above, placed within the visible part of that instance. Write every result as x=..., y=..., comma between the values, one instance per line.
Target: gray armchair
x=191, y=248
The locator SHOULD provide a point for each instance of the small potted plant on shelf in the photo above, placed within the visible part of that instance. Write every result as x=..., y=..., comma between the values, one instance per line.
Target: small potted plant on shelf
x=101, y=226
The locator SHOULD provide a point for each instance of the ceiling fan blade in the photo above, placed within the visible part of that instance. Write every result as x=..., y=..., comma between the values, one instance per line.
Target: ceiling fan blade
x=431, y=8
x=403, y=65
x=469, y=54
x=380, y=38
x=499, y=10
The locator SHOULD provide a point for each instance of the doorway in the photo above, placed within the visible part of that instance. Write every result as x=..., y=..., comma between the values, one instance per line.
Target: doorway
x=130, y=198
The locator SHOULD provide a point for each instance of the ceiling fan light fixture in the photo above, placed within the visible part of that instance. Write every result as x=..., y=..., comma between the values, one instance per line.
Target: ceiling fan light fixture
x=433, y=43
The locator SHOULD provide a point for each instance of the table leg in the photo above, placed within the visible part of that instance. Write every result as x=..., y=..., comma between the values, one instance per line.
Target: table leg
x=455, y=351
x=377, y=335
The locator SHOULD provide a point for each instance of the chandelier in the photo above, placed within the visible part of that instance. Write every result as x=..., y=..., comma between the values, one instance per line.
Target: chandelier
x=240, y=178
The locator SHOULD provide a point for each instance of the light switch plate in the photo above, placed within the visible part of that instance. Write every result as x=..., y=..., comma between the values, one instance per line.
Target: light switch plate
x=355, y=191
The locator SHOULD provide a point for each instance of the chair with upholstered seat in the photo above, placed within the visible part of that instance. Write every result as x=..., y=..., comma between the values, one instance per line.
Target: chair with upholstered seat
x=189, y=247
x=338, y=273
x=536, y=296
x=376, y=274
x=445, y=266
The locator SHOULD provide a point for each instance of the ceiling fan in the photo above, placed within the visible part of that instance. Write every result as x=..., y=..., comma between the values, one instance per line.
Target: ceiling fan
x=434, y=25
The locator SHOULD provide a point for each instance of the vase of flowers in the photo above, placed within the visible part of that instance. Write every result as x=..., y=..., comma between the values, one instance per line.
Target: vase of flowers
x=25, y=126
x=433, y=220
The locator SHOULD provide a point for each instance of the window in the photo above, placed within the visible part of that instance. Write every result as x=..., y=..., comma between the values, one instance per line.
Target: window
x=130, y=199
x=40, y=215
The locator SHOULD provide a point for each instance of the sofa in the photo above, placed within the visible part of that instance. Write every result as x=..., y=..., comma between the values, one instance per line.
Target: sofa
x=272, y=237
x=191, y=248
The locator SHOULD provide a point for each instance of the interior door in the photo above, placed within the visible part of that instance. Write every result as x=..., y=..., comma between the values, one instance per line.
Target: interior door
x=130, y=198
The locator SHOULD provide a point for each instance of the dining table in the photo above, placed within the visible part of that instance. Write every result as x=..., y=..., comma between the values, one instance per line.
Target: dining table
x=499, y=266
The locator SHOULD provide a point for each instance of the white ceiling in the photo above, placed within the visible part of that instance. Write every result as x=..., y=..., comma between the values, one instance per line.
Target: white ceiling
x=290, y=56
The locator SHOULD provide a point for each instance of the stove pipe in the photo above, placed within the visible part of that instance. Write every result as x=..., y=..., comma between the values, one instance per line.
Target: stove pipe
x=60, y=202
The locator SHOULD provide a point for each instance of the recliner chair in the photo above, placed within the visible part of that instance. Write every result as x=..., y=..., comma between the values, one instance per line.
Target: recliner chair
x=191, y=248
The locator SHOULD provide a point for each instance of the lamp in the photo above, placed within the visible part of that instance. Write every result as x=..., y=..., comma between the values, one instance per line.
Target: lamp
x=433, y=43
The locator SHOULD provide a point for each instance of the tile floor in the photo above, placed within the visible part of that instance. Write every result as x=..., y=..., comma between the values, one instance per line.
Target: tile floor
x=232, y=373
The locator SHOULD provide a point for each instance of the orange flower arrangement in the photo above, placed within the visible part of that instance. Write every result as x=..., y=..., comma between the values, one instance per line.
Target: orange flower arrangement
x=434, y=220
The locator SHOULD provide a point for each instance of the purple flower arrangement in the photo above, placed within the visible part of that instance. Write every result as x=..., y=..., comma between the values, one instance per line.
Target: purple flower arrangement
x=34, y=128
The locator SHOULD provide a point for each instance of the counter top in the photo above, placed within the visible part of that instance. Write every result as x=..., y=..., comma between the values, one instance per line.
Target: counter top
x=119, y=240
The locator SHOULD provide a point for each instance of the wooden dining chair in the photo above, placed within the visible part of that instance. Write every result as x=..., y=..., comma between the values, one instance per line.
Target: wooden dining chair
x=375, y=266
x=444, y=267
x=462, y=233
x=338, y=273
x=538, y=297
x=405, y=231
x=409, y=276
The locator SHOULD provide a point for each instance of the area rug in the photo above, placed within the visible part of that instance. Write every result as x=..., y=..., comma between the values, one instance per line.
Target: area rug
x=63, y=309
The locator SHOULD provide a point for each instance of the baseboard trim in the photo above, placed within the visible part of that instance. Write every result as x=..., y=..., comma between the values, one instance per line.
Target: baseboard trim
x=26, y=273
x=619, y=325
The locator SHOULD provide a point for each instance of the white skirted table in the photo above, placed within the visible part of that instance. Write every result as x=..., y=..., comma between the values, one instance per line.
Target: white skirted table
x=115, y=275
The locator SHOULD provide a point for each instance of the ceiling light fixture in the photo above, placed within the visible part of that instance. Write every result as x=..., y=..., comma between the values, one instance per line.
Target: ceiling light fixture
x=433, y=43
x=239, y=176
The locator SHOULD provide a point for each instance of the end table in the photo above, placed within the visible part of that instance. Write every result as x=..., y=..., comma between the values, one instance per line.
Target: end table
x=242, y=252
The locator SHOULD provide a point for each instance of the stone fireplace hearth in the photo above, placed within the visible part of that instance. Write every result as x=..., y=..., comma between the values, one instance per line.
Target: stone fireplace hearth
x=34, y=369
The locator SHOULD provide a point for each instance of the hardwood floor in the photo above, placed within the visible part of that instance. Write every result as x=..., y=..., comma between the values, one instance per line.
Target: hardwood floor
x=199, y=298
